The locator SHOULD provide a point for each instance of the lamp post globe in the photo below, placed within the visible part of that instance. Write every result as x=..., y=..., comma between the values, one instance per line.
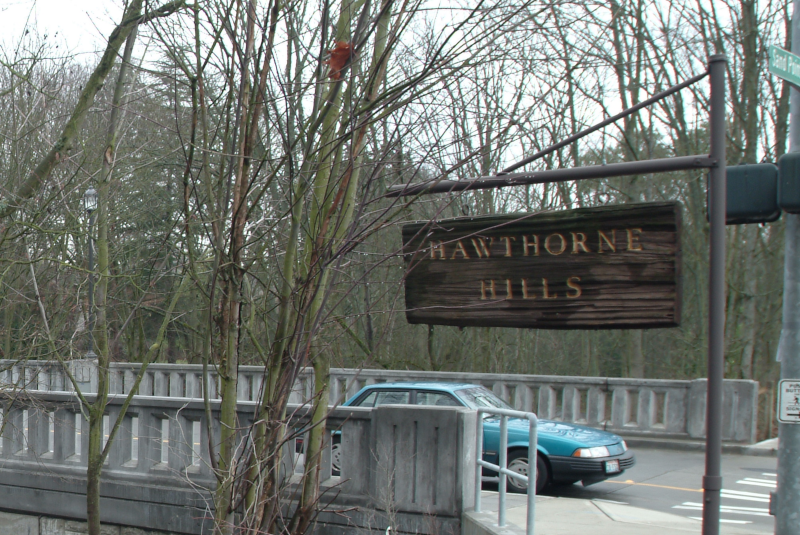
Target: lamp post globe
x=90, y=200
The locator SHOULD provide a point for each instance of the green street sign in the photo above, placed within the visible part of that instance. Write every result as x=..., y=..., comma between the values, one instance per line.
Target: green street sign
x=785, y=65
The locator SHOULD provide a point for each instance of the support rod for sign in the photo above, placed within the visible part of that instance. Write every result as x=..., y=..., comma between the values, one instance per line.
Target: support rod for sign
x=712, y=481
x=624, y=113
x=642, y=167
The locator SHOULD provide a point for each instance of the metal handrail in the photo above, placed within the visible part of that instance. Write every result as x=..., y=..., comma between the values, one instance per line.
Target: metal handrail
x=502, y=468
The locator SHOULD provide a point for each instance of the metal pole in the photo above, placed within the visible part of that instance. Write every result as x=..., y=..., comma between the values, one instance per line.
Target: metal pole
x=533, y=449
x=90, y=352
x=787, y=506
x=501, y=517
x=639, y=167
x=787, y=496
x=478, y=467
x=712, y=481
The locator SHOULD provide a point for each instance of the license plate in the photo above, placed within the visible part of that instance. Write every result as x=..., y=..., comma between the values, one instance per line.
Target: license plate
x=612, y=466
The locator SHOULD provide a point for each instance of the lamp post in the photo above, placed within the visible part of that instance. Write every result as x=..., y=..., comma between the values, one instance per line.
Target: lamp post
x=90, y=205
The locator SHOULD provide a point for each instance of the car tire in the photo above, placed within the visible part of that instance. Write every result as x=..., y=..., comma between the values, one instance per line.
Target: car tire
x=518, y=462
x=336, y=455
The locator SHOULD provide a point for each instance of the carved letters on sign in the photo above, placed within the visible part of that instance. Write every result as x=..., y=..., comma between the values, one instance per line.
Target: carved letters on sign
x=607, y=267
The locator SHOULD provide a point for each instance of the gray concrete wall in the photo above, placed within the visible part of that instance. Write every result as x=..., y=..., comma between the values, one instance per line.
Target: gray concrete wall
x=633, y=407
x=424, y=460
x=408, y=467
x=16, y=524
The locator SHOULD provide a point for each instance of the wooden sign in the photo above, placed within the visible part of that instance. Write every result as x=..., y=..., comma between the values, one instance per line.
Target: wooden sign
x=592, y=268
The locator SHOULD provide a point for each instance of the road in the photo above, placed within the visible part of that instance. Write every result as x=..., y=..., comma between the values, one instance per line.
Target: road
x=671, y=481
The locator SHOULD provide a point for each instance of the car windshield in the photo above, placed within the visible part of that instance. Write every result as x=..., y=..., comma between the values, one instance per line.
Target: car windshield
x=480, y=396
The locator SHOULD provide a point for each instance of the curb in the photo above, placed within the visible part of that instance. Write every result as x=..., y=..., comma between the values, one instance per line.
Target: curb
x=696, y=445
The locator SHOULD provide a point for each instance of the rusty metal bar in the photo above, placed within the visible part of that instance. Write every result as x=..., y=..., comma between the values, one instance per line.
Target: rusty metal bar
x=642, y=167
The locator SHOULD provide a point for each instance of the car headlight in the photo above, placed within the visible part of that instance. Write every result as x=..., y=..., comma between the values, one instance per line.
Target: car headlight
x=599, y=451
x=624, y=446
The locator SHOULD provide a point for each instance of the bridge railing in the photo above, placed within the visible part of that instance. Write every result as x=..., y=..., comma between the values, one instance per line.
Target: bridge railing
x=502, y=468
x=159, y=475
x=657, y=408
x=632, y=407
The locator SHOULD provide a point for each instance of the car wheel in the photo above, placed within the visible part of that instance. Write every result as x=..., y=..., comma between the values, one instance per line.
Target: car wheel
x=518, y=462
x=336, y=456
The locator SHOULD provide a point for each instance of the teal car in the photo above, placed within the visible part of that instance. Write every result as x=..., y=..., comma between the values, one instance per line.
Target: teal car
x=567, y=453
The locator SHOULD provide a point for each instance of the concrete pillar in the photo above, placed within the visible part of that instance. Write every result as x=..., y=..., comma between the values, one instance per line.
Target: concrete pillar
x=424, y=459
x=176, y=385
x=161, y=384
x=85, y=373
x=243, y=387
x=696, y=410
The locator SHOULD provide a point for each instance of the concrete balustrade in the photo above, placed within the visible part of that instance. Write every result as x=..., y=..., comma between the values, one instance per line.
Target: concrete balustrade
x=631, y=407
x=410, y=467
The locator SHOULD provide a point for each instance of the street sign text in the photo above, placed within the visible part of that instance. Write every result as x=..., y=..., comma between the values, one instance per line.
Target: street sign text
x=606, y=267
x=784, y=64
x=789, y=401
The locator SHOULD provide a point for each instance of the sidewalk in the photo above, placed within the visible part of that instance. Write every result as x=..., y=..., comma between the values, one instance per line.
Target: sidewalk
x=567, y=516
x=765, y=448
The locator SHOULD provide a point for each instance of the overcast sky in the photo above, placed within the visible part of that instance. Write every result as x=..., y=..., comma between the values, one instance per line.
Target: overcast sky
x=77, y=24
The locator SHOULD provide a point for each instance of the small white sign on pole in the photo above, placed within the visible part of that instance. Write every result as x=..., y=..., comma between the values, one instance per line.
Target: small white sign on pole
x=789, y=401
